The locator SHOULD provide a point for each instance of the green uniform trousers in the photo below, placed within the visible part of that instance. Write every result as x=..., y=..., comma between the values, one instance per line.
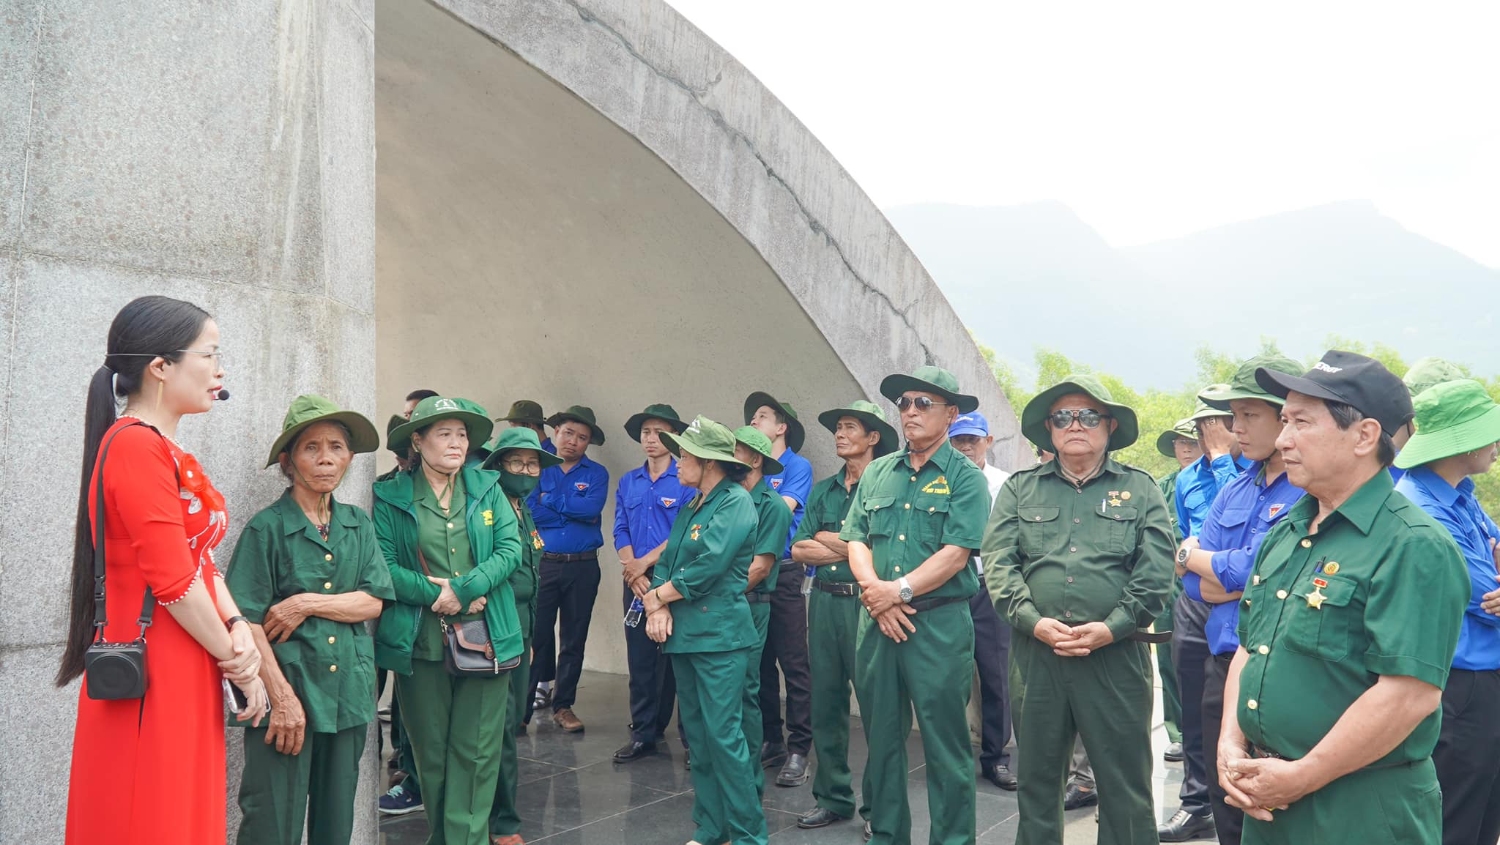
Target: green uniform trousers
x=832, y=627
x=278, y=790
x=1105, y=698
x=1399, y=805
x=931, y=673
x=456, y=727
x=504, y=818
x=1171, y=702
x=710, y=706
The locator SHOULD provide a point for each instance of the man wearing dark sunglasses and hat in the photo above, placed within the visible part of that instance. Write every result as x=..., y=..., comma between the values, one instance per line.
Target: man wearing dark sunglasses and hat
x=1078, y=557
x=1347, y=629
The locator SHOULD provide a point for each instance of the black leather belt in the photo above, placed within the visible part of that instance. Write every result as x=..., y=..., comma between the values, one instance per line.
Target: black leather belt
x=920, y=605
x=838, y=588
x=757, y=597
x=549, y=557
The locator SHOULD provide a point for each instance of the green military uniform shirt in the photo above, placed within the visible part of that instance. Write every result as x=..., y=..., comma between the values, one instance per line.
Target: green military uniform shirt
x=443, y=538
x=1099, y=553
x=906, y=516
x=523, y=582
x=707, y=559
x=773, y=523
x=1380, y=589
x=330, y=665
x=827, y=508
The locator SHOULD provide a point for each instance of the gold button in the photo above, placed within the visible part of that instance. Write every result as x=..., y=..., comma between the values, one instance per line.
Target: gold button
x=1072, y=548
x=333, y=668
x=1265, y=649
x=332, y=640
x=913, y=478
x=1075, y=520
x=327, y=585
x=1253, y=704
x=453, y=551
x=1068, y=614
x=932, y=510
x=908, y=505
x=842, y=521
x=455, y=575
x=450, y=525
x=1281, y=594
x=1255, y=581
x=1038, y=519
x=1306, y=544
x=328, y=557
x=833, y=568
x=901, y=537
x=898, y=569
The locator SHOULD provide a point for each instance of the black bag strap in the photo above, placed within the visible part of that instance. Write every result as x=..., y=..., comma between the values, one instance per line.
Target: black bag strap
x=148, y=601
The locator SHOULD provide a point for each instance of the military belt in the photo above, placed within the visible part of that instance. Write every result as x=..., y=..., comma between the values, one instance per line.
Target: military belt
x=838, y=588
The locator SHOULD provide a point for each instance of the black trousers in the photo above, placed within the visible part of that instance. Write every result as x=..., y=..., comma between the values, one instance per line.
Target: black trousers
x=565, y=594
x=786, y=644
x=1189, y=652
x=1467, y=758
x=1229, y=821
x=992, y=659
x=653, y=688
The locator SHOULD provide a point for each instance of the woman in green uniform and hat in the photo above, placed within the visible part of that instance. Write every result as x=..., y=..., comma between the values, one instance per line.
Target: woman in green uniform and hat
x=703, y=573
x=308, y=574
x=520, y=458
x=451, y=542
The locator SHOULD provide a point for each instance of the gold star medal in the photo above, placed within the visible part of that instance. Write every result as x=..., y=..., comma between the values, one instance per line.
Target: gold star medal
x=1315, y=598
x=695, y=531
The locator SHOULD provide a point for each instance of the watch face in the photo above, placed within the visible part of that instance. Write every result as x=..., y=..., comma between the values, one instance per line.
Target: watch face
x=1182, y=555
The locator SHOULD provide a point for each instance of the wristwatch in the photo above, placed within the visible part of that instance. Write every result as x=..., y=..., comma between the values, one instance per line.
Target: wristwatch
x=1182, y=555
x=229, y=623
x=906, y=593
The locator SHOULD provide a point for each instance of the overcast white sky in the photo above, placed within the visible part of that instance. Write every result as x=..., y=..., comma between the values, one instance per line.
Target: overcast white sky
x=1150, y=119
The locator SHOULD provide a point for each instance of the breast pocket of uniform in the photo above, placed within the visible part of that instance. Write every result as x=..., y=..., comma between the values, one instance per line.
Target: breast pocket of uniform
x=932, y=515
x=882, y=515
x=1320, y=625
x=1118, y=529
x=1039, y=529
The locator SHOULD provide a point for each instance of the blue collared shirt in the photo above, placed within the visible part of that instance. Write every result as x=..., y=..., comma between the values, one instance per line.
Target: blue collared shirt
x=1454, y=508
x=1241, y=516
x=566, y=506
x=795, y=481
x=644, y=509
x=1198, y=485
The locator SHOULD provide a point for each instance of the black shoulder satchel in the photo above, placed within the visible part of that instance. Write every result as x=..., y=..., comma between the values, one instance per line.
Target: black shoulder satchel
x=113, y=671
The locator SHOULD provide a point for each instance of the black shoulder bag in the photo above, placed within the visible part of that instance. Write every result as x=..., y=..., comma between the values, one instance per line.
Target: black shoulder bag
x=467, y=650
x=113, y=671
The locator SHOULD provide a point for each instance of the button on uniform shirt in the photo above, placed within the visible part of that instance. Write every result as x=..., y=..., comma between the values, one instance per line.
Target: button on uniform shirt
x=1241, y=517
x=772, y=518
x=1099, y=553
x=645, y=509
x=827, y=508
x=795, y=482
x=995, y=478
x=1198, y=484
x=906, y=516
x=1380, y=589
x=707, y=559
x=1454, y=509
x=567, y=506
x=330, y=665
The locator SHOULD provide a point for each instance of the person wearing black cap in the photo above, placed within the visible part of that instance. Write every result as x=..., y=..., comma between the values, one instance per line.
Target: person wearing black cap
x=1347, y=629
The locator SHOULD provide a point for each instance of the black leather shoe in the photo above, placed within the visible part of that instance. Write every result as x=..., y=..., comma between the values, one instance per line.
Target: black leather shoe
x=635, y=751
x=868, y=832
x=819, y=817
x=1185, y=827
x=772, y=756
x=1000, y=775
x=1174, y=753
x=794, y=773
x=1077, y=796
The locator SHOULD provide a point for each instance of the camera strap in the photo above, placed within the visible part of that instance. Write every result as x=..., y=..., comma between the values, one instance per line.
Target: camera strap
x=148, y=601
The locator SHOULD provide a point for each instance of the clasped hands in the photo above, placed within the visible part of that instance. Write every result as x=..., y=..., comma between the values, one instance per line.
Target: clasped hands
x=658, y=617
x=1073, y=641
x=882, y=600
x=1260, y=785
x=633, y=573
x=243, y=670
x=447, y=603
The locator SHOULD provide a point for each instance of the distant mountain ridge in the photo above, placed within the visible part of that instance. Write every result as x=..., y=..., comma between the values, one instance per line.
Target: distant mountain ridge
x=1036, y=274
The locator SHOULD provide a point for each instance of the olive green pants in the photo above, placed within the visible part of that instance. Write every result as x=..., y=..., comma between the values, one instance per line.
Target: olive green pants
x=931, y=673
x=1401, y=804
x=457, y=726
x=277, y=791
x=504, y=818
x=1106, y=699
x=710, y=706
x=832, y=628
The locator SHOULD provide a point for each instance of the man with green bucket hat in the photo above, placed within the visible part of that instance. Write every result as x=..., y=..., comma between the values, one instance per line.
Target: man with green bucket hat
x=860, y=435
x=917, y=518
x=307, y=573
x=1078, y=553
x=527, y=413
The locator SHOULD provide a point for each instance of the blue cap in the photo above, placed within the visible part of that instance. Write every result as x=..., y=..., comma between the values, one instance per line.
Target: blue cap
x=970, y=423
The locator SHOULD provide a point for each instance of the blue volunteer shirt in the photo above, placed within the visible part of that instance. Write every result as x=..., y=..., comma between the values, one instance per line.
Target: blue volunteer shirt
x=566, y=507
x=1454, y=508
x=795, y=481
x=1239, y=519
x=644, y=509
x=1198, y=484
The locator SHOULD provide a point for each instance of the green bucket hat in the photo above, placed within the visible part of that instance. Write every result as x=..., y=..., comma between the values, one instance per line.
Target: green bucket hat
x=1166, y=442
x=873, y=419
x=402, y=448
x=664, y=412
x=435, y=408
x=525, y=411
x=705, y=439
x=752, y=437
x=1202, y=410
x=1244, y=385
x=582, y=414
x=308, y=409
x=1453, y=417
x=517, y=438
x=1426, y=372
x=796, y=435
x=1034, y=417
x=929, y=380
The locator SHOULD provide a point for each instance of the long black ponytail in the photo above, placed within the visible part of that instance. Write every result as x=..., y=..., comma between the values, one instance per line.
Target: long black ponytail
x=147, y=328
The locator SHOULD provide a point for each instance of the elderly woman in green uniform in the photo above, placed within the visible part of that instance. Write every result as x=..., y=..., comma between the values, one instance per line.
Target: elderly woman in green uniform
x=774, y=521
x=307, y=573
x=703, y=573
x=452, y=543
x=519, y=457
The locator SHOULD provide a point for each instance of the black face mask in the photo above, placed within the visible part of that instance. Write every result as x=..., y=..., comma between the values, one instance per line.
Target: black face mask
x=517, y=485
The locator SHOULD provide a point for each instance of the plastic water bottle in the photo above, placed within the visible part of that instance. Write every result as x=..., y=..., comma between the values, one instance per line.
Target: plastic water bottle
x=809, y=573
x=633, y=615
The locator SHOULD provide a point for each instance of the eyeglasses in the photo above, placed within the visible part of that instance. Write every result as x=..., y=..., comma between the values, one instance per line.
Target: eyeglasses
x=922, y=403
x=1088, y=417
x=216, y=354
x=521, y=466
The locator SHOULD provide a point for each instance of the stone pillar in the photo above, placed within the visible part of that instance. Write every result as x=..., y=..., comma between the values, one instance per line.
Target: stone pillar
x=221, y=153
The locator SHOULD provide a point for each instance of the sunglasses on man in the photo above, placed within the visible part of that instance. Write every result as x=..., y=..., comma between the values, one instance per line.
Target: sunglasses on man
x=1088, y=417
x=923, y=403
